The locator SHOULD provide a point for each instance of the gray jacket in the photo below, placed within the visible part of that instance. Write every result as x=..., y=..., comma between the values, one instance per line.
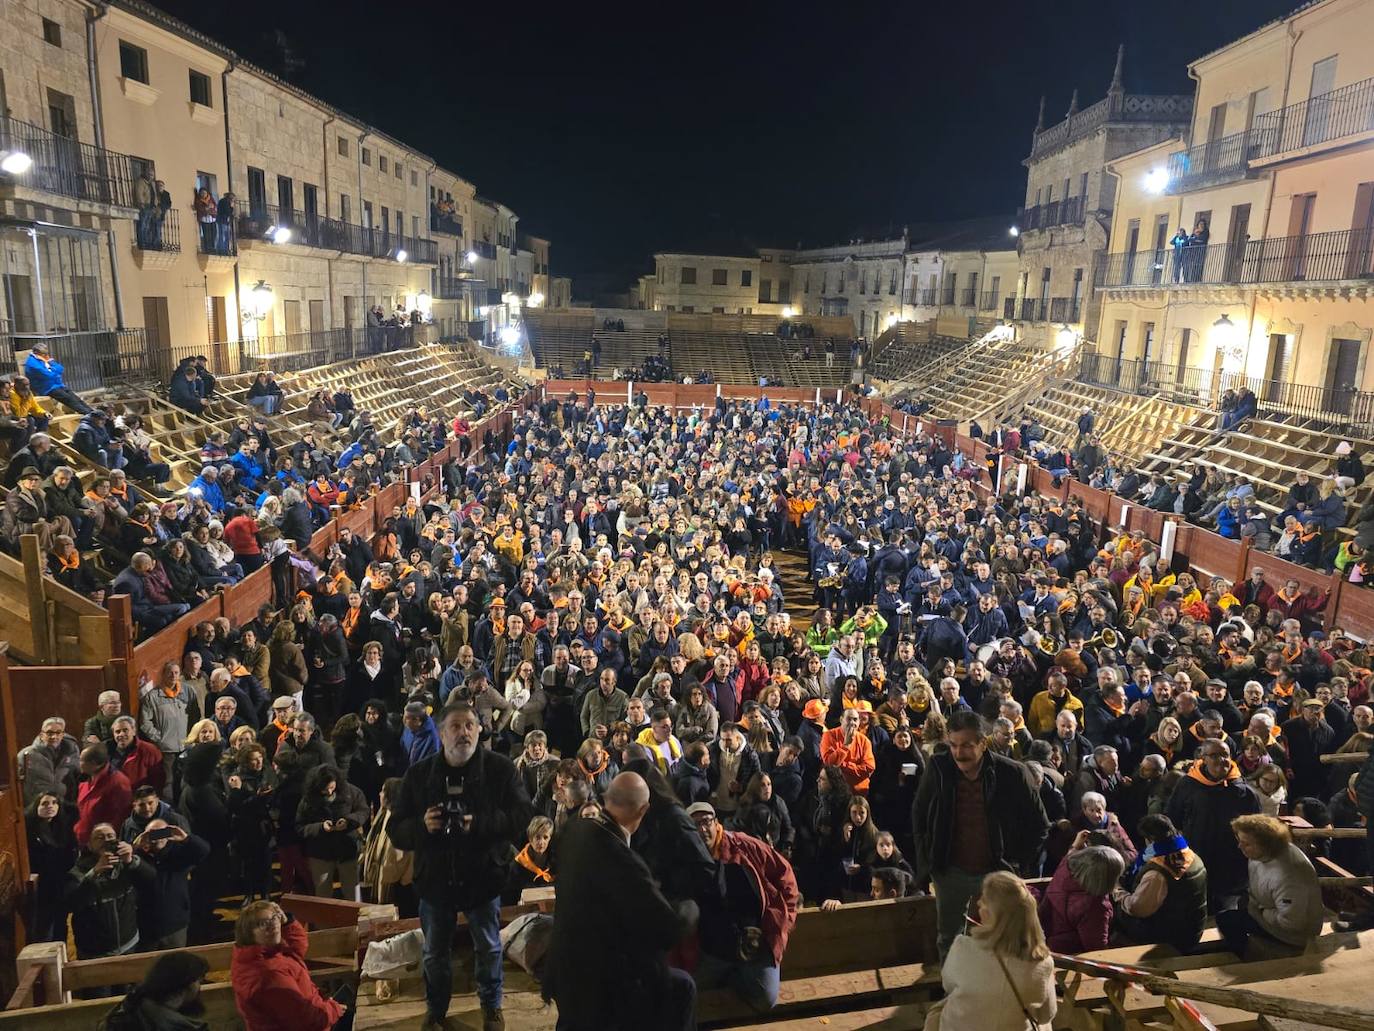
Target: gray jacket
x=165, y=721
x=45, y=770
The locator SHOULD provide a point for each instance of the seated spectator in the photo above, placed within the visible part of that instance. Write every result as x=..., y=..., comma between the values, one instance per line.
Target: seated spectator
x=46, y=374
x=167, y=997
x=26, y=511
x=25, y=408
x=150, y=594
x=1076, y=907
x=265, y=394
x=272, y=985
x=1282, y=911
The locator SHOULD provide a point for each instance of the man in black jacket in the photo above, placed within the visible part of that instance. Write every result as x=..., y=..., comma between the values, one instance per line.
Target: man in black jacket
x=975, y=812
x=164, y=906
x=461, y=811
x=1202, y=808
x=621, y=981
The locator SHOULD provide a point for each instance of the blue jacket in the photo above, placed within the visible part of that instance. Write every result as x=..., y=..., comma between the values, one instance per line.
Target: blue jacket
x=249, y=471
x=43, y=376
x=1228, y=521
x=420, y=744
x=210, y=493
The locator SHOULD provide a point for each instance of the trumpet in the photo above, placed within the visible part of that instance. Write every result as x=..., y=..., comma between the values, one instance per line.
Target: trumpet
x=1108, y=638
x=1047, y=644
x=1164, y=647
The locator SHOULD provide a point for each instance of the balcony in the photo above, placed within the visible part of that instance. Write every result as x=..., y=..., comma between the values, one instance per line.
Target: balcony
x=485, y=249
x=266, y=222
x=1009, y=308
x=1326, y=118
x=1212, y=163
x=1033, y=309
x=452, y=288
x=441, y=221
x=1066, y=309
x=217, y=240
x=968, y=297
x=1317, y=257
x=1343, y=405
x=69, y=168
x=928, y=296
x=90, y=358
x=947, y=297
x=1052, y=213
x=157, y=238
x=987, y=300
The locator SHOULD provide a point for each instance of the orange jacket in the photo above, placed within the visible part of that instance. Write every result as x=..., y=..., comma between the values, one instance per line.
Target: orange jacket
x=855, y=760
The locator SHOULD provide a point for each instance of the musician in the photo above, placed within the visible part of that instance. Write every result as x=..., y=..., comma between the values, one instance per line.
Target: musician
x=987, y=622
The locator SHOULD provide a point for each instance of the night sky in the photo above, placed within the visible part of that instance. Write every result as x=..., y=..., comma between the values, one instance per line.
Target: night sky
x=617, y=130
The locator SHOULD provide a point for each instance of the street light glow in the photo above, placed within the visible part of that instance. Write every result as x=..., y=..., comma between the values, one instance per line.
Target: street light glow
x=1013, y=231
x=401, y=254
x=1157, y=180
x=280, y=234
x=472, y=257
x=14, y=162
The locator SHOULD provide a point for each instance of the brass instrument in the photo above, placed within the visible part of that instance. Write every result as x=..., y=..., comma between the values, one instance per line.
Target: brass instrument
x=1108, y=638
x=827, y=582
x=1047, y=644
x=1163, y=647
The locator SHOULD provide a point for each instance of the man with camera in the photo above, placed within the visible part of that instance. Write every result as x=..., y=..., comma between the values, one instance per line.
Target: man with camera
x=743, y=940
x=461, y=812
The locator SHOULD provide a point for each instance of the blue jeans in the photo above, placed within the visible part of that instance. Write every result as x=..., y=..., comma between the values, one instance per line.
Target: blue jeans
x=484, y=923
x=755, y=982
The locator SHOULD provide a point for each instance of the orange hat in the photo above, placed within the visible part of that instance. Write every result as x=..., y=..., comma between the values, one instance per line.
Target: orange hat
x=815, y=709
x=863, y=705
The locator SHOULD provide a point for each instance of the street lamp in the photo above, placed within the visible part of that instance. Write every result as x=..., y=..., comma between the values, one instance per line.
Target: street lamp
x=401, y=255
x=260, y=299
x=14, y=162
x=1157, y=180
x=1013, y=231
x=472, y=257
x=280, y=234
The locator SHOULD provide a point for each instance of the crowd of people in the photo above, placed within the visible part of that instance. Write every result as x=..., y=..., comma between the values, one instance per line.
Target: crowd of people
x=574, y=665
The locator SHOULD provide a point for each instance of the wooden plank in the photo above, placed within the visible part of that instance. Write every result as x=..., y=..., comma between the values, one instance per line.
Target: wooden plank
x=1332, y=953
x=220, y=1012
x=725, y=1006
x=884, y=1018
x=99, y=973
x=322, y=912
x=23, y=991
x=861, y=935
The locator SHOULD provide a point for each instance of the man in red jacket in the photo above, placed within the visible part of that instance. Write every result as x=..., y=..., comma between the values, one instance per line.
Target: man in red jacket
x=140, y=761
x=743, y=940
x=104, y=796
x=272, y=985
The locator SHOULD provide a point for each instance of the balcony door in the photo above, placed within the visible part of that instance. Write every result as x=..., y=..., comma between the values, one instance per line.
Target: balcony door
x=1317, y=122
x=1299, y=224
x=157, y=326
x=1237, y=237
x=1341, y=370
x=1280, y=359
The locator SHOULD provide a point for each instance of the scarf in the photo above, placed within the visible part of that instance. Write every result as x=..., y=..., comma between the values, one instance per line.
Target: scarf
x=525, y=858
x=173, y=692
x=590, y=773
x=716, y=841
x=1196, y=773
x=1171, y=855
x=66, y=564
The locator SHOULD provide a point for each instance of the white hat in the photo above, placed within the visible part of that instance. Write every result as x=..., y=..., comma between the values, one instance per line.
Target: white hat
x=1343, y=448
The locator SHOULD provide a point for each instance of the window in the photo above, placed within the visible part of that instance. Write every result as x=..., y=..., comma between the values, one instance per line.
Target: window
x=367, y=214
x=1083, y=186
x=765, y=291
x=286, y=200
x=689, y=277
x=892, y=283
x=385, y=224
x=415, y=226
x=806, y=284
x=207, y=181
x=52, y=32
x=689, y=308
x=399, y=172
x=720, y=277
x=200, y=89
x=257, y=190
x=345, y=206
x=133, y=62
x=863, y=281
x=746, y=277
x=310, y=199
x=720, y=310
x=343, y=146
x=367, y=157
x=381, y=163
x=414, y=178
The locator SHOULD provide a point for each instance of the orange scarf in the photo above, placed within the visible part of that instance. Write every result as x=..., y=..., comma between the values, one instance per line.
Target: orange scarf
x=540, y=874
x=67, y=564
x=173, y=692
x=1118, y=710
x=1195, y=773
x=350, y=620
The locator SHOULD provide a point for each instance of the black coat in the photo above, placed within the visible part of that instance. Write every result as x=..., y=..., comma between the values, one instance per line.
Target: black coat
x=464, y=870
x=1016, y=822
x=670, y=845
x=164, y=905
x=610, y=982
x=105, y=906
x=1203, y=815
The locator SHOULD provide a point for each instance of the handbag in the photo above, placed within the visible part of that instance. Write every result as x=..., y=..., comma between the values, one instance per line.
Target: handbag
x=1031, y=1022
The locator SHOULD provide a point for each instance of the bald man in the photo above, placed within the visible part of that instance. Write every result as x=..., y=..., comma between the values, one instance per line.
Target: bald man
x=621, y=983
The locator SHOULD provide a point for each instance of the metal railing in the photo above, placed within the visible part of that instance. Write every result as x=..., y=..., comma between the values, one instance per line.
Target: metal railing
x=158, y=230
x=484, y=249
x=91, y=358
x=220, y=239
x=987, y=300
x=1065, y=309
x=1212, y=163
x=1033, y=309
x=1316, y=257
x=928, y=295
x=442, y=223
x=451, y=288
x=1009, y=308
x=947, y=296
x=1343, y=112
x=68, y=167
x=262, y=222
x=968, y=297
x=1069, y=211
x=1341, y=405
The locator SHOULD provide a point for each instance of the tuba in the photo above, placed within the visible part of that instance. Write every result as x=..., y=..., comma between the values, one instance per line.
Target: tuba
x=1108, y=638
x=1163, y=647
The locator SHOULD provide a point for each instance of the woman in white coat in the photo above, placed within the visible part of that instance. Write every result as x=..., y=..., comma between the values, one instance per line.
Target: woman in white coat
x=1000, y=976
x=1282, y=910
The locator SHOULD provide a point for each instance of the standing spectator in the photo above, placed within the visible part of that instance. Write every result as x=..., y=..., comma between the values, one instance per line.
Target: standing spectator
x=846, y=747
x=139, y=760
x=50, y=823
x=1202, y=807
x=1000, y=976
x=102, y=893
x=167, y=711
x=207, y=214
x=164, y=909
x=975, y=812
x=331, y=819
x=51, y=764
x=104, y=795
x=108, y=705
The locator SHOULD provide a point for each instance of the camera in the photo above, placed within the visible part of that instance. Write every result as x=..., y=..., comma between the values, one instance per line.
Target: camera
x=454, y=811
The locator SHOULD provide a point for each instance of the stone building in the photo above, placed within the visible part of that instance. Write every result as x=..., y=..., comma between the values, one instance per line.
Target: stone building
x=1278, y=168
x=331, y=217
x=1061, y=233
x=722, y=284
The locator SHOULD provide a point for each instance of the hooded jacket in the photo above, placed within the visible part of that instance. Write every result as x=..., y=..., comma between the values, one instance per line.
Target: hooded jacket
x=273, y=989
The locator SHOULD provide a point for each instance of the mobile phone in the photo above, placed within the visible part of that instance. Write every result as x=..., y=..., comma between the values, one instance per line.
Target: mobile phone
x=111, y=847
x=161, y=833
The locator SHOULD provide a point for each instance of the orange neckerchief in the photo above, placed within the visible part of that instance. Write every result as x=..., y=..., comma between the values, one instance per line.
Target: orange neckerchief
x=1166, y=749
x=1193, y=729
x=1119, y=710
x=1195, y=773
x=68, y=563
x=173, y=693
x=1174, y=864
x=605, y=761
x=1291, y=653
x=714, y=845
x=540, y=874
x=1281, y=692
x=350, y=620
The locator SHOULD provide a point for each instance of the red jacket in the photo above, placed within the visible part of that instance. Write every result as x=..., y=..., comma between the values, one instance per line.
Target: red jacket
x=105, y=798
x=776, y=883
x=144, y=765
x=241, y=534
x=1073, y=920
x=273, y=990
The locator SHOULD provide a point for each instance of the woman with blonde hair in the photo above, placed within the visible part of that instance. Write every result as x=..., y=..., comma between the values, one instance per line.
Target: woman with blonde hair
x=999, y=976
x=1283, y=909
